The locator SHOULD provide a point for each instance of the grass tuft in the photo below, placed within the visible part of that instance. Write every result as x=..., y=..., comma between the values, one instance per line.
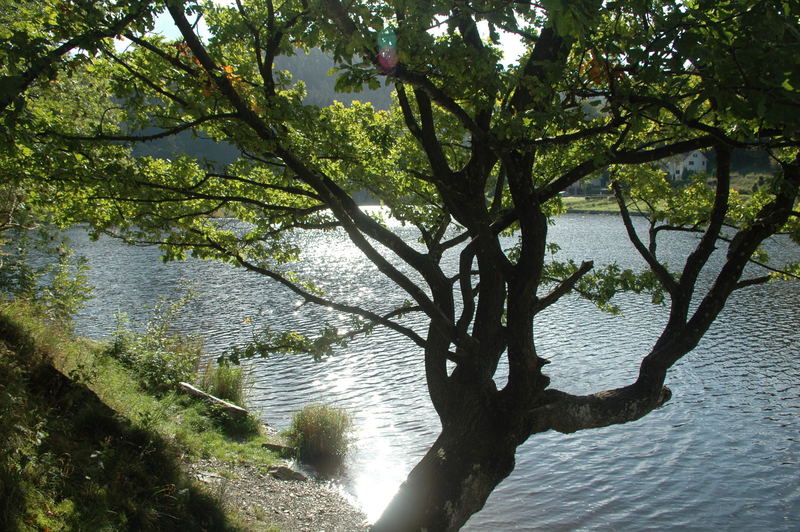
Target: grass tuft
x=320, y=432
x=225, y=381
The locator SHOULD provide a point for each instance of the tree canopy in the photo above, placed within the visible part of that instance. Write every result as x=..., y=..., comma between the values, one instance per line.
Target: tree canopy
x=471, y=150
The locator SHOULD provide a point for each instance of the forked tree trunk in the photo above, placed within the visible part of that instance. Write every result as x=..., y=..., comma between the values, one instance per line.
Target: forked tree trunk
x=453, y=479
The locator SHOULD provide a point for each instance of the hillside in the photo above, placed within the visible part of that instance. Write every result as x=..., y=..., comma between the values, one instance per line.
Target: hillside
x=311, y=68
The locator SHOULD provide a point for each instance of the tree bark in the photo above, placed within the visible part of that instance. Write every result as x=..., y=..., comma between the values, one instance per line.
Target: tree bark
x=454, y=478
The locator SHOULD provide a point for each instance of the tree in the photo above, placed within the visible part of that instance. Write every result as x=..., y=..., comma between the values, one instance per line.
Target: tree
x=38, y=41
x=38, y=38
x=471, y=151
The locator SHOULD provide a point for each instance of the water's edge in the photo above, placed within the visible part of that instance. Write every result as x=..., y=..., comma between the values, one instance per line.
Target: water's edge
x=722, y=455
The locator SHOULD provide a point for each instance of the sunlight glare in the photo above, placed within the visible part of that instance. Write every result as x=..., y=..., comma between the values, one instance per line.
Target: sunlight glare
x=382, y=472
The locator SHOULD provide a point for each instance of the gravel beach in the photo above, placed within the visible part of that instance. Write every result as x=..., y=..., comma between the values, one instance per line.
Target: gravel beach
x=265, y=502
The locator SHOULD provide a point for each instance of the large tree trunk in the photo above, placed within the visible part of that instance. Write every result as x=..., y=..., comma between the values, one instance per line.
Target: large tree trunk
x=471, y=456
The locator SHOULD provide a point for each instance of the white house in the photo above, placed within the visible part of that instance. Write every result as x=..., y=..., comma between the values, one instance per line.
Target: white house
x=690, y=163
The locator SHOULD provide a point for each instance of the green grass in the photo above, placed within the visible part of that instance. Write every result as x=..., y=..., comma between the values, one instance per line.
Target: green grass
x=84, y=448
x=747, y=183
x=320, y=432
x=198, y=428
x=590, y=204
x=224, y=381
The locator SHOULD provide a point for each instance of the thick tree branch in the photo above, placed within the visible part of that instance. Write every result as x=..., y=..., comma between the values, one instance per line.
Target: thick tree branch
x=295, y=191
x=771, y=217
x=568, y=413
x=568, y=138
x=353, y=219
x=549, y=48
x=468, y=29
x=436, y=94
x=357, y=224
x=676, y=341
x=564, y=287
x=313, y=298
x=753, y=281
x=466, y=258
x=408, y=113
x=698, y=258
x=431, y=145
x=338, y=14
x=664, y=277
x=585, y=168
x=172, y=60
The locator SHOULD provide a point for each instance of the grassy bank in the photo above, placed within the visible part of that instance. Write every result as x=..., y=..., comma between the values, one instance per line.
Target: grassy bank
x=84, y=448
x=590, y=204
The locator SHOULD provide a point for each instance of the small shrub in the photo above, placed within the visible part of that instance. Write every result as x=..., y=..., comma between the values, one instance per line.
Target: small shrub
x=225, y=381
x=163, y=367
x=159, y=356
x=33, y=269
x=320, y=432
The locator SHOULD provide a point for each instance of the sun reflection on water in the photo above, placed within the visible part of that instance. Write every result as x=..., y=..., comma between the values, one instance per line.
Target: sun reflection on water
x=375, y=491
x=380, y=470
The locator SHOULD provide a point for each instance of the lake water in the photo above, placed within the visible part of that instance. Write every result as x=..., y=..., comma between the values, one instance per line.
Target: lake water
x=721, y=455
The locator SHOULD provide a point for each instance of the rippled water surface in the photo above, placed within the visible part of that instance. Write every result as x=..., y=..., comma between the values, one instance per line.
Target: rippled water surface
x=722, y=455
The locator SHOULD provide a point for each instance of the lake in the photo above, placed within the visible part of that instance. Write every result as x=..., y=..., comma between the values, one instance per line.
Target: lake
x=721, y=455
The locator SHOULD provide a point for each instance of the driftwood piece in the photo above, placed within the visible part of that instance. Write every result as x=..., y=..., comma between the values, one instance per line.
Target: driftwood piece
x=231, y=408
